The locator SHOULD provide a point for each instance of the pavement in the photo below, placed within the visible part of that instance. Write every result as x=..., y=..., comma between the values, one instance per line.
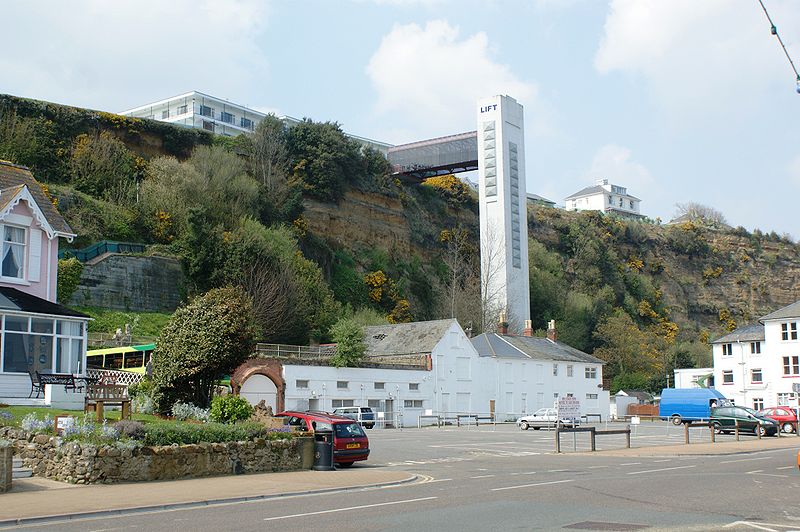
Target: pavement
x=33, y=500
x=39, y=500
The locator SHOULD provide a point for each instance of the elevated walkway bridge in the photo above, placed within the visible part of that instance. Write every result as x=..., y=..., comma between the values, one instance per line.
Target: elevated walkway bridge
x=439, y=156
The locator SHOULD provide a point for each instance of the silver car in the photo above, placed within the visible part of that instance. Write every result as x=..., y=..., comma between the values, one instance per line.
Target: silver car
x=544, y=417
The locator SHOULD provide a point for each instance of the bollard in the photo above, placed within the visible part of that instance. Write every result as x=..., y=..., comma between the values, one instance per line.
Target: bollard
x=686, y=433
x=628, y=436
x=558, y=439
x=713, y=433
x=736, y=423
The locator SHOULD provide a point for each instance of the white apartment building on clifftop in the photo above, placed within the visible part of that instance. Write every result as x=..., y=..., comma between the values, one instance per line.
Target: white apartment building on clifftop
x=605, y=197
x=201, y=111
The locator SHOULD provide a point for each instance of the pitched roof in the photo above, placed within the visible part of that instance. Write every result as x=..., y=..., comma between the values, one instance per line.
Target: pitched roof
x=529, y=347
x=405, y=338
x=536, y=197
x=639, y=394
x=16, y=300
x=596, y=189
x=747, y=333
x=13, y=179
x=789, y=311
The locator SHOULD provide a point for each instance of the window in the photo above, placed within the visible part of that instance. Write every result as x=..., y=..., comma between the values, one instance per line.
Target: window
x=41, y=345
x=631, y=205
x=591, y=396
x=610, y=199
x=555, y=395
x=13, y=252
x=380, y=385
x=755, y=375
x=301, y=384
x=165, y=113
x=342, y=385
x=620, y=202
x=246, y=123
x=341, y=403
x=226, y=117
x=785, y=399
x=569, y=370
x=208, y=126
x=758, y=403
x=727, y=376
x=412, y=403
x=206, y=111
x=183, y=109
x=727, y=350
x=413, y=386
x=755, y=348
x=791, y=365
x=789, y=331
x=555, y=370
x=590, y=373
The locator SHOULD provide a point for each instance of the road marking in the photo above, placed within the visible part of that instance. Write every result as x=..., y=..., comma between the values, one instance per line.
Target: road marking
x=482, y=476
x=757, y=526
x=470, y=444
x=662, y=469
x=745, y=460
x=786, y=467
x=657, y=461
x=532, y=485
x=596, y=467
x=524, y=473
x=438, y=480
x=632, y=463
x=350, y=508
x=761, y=472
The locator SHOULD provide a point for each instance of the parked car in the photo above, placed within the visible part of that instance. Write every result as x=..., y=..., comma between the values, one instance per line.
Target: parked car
x=684, y=405
x=362, y=414
x=544, y=417
x=725, y=418
x=350, y=442
x=784, y=415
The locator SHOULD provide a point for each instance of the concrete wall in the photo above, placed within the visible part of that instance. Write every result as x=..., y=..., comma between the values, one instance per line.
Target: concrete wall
x=128, y=282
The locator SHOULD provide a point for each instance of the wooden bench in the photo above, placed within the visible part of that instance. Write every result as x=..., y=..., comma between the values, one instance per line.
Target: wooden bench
x=100, y=395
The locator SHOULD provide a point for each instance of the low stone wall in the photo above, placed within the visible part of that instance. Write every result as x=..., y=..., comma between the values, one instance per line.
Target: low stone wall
x=83, y=463
x=6, y=465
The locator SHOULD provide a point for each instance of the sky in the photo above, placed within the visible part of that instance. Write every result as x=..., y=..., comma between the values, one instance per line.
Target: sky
x=677, y=100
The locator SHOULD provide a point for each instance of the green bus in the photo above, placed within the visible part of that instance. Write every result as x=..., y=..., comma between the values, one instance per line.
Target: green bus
x=132, y=358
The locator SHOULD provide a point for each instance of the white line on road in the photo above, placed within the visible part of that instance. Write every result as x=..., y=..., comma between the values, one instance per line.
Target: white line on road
x=596, y=467
x=657, y=461
x=532, y=485
x=350, y=508
x=752, y=525
x=662, y=469
x=745, y=460
x=439, y=480
x=482, y=476
x=469, y=444
x=786, y=467
x=632, y=463
x=761, y=472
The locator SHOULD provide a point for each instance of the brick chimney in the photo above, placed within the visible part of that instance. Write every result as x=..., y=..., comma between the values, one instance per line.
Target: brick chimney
x=528, y=330
x=552, y=334
x=502, y=327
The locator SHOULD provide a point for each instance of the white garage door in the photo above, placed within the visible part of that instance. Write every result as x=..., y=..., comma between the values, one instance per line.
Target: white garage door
x=259, y=387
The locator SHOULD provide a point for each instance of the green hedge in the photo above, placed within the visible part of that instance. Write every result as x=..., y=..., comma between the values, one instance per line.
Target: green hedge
x=185, y=433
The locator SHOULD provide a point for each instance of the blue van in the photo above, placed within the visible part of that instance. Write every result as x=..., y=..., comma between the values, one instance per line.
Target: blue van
x=684, y=405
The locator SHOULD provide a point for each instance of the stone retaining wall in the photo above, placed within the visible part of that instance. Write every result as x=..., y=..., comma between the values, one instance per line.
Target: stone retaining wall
x=83, y=463
x=6, y=465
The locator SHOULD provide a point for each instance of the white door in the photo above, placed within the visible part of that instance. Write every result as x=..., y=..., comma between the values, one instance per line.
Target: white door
x=259, y=387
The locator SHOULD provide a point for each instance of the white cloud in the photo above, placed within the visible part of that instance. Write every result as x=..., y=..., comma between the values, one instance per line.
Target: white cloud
x=432, y=77
x=698, y=56
x=115, y=55
x=614, y=163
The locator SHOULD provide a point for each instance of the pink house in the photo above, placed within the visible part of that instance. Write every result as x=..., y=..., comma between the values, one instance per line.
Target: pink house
x=36, y=333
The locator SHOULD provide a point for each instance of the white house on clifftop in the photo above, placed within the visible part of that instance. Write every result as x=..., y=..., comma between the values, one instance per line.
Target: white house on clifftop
x=605, y=197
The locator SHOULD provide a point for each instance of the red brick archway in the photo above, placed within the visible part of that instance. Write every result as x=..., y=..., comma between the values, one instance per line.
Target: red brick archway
x=270, y=368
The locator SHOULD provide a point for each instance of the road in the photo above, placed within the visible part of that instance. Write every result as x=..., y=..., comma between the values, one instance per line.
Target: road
x=486, y=478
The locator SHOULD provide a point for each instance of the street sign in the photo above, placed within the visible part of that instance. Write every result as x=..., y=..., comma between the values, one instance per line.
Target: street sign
x=569, y=408
x=796, y=387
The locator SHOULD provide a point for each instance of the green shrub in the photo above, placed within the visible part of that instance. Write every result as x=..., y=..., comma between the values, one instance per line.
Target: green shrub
x=130, y=429
x=69, y=276
x=186, y=433
x=230, y=409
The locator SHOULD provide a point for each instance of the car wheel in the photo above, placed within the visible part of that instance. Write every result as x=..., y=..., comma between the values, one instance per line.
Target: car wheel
x=787, y=427
x=344, y=464
x=717, y=427
x=369, y=426
x=523, y=426
x=676, y=420
x=760, y=430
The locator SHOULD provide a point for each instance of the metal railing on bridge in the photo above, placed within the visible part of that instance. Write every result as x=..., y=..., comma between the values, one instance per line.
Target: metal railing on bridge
x=439, y=156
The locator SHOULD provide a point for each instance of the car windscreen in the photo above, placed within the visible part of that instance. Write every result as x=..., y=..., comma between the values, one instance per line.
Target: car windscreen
x=348, y=430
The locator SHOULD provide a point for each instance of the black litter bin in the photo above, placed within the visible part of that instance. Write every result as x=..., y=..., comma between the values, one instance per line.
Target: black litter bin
x=323, y=450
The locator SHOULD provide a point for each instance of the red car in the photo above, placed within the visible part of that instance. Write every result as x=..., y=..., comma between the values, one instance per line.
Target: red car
x=784, y=415
x=350, y=443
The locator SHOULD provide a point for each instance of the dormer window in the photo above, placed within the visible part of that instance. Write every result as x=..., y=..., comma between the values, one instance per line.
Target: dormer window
x=13, y=263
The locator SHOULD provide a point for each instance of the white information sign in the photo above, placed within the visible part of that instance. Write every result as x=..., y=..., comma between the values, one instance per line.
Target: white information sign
x=569, y=408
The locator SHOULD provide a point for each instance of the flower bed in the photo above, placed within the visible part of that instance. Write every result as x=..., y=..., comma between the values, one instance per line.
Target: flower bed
x=126, y=461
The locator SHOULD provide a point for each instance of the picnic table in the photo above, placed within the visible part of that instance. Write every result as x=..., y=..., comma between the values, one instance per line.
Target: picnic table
x=100, y=395
x=69, y=381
